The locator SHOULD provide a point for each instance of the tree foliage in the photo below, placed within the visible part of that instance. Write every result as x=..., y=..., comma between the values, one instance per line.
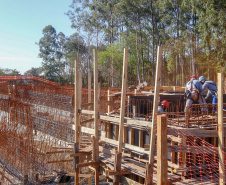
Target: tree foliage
x=191, y=32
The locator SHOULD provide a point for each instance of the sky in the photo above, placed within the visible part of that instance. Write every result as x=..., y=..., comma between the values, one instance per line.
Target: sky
x=21, y=25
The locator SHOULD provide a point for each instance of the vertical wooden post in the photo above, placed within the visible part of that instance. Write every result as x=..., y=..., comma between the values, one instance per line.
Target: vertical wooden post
x=220, y=129
x=108, y=124
x=125, y=135
x=162, y=163
x=109, y=99
x=116, y=132
x=89, y=97
x=128, y=107
x=134, y=112
x=149, y=173
x=181, y=155
x=122, y=114
x=76, y=104
x=96, y=117
x=123, y=100
x=89, y=116
x=141, y=139
x=173, y=156
x=80, y=89
x=132, y=136
x=141, y=144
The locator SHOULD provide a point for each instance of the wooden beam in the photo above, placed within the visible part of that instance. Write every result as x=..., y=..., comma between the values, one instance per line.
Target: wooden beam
x=87, y=121
x=96, y=116
x=155, y=110
x=61, y=161
x=173, y=155
x=109, y=99
x=80, y=154
x=117, y=168
x=128, y=121
x=220, y=129
x=162, y=163
x=123, y=100
x=89, y=97
x=128, y=181
x=57, y=152
x=122, y=172
x=91, y=131
x=76, y=117
x=94, y=163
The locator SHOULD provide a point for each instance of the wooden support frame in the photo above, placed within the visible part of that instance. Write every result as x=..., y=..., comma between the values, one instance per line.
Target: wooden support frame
x=96, y=116
x=77, y=120
x=149, y=173
x=122, y=115
x=220, y=129
x=162, y=161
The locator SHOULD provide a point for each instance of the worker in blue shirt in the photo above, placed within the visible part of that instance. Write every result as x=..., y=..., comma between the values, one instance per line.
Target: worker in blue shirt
x=193, y=91
x=210, y=85
x=212, y=89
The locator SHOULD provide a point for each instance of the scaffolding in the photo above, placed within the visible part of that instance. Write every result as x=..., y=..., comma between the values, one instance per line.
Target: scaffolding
x=64, y=134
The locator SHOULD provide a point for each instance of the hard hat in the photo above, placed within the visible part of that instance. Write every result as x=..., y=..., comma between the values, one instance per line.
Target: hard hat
x=193, y=76
x=202, y=79
x=166, y=103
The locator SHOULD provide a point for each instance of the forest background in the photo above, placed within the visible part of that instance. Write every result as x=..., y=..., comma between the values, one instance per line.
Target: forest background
x=192, y=34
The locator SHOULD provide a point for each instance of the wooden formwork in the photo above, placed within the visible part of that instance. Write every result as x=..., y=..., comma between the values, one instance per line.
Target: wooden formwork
x=115, y=144
x=125, y=157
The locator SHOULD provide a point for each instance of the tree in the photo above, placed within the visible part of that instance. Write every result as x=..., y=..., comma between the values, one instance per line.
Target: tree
x=6, y=71
x=36, y=71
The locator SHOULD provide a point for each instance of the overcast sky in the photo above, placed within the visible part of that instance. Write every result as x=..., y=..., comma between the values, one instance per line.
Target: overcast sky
x=21, y=25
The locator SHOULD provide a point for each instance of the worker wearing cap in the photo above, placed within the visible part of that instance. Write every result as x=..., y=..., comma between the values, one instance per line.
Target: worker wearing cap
x=163, y=106
x=210, y=85
x=212, y=89
x=193, y=91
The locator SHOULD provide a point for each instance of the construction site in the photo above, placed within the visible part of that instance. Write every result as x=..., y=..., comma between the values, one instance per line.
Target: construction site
x=55, y=134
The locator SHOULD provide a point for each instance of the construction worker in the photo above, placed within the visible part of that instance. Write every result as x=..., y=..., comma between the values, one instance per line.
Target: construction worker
x=212, y=89
x=210, y=85
x=193, y=91
x=163, y=106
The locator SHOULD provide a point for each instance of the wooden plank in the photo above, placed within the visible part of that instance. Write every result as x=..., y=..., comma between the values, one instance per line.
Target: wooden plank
x=87, y=121
x=220, y=129
x=89, y=97
x=80, y=154
x=155, y=110
x=57, y=152
x=87, y=164
x=117, y=168
x=128, y=181
x=96, y=116
x=125, y=145
x=173, y=155
x=61, y=161
x=162, y=171
x=122, y=172
x=91, y=131
x=128, y=121
x=76, y=120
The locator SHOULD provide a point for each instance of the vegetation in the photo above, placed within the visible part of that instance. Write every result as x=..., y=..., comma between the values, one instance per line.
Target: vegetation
x=7, y=71
x=191, y=32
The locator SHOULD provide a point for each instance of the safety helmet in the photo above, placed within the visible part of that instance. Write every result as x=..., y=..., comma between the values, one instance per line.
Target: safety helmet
x=166, y=103
x=202, y=79
x=193, y=76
